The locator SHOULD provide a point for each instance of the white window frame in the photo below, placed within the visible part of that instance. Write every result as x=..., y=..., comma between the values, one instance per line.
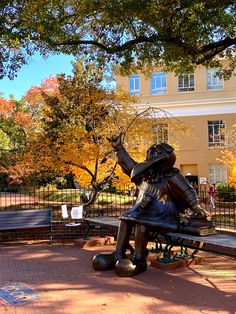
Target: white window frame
x=186, y=82
x=217, y=173
x=158, y=88
x=161, y=132
x=134, y=84
x=213, y=81
x=216, y=133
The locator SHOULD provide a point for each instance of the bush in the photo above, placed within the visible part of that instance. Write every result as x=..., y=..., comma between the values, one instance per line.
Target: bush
x=226, y=192
x=11, y=189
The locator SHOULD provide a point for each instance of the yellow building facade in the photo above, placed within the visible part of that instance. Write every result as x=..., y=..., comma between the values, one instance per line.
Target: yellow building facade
x=205, y=103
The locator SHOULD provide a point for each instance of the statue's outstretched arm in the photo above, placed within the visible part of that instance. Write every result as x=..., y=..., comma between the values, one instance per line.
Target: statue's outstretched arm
x=125, y=161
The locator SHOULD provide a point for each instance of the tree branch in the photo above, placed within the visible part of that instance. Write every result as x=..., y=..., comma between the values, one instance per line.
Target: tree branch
x=111, y=49
x=224, y=43
x=81, y=167
x=211, y=50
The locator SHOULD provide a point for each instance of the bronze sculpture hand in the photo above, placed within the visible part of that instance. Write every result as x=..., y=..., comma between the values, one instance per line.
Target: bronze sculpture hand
x=200, y=212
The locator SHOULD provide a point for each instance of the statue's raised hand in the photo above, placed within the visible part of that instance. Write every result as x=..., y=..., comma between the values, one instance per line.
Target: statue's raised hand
x=116, y=140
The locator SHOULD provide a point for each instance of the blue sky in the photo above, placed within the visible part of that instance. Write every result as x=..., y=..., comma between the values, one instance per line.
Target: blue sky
x=34, y=72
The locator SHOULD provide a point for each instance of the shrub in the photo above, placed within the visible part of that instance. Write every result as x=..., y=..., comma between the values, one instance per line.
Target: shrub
x=226, y=192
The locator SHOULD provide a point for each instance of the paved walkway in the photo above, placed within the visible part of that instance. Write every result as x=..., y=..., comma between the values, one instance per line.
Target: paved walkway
x=63, y=274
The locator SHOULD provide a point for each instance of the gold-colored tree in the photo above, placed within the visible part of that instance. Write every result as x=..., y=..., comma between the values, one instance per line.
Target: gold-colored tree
x=75, y=115
x=228, y=155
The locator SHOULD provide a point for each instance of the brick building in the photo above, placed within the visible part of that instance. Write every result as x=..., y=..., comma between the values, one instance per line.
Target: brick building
x=205, y=102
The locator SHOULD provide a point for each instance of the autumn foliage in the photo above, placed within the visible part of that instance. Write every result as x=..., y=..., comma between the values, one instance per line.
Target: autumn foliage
x=73, y=116
x=228, y=155
x=64, y=125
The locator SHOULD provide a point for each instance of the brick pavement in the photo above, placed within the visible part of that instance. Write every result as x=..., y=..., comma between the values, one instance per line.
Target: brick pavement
x=63, y=274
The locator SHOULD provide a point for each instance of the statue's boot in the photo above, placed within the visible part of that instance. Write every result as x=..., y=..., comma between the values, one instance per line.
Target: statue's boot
x=106, y=261
x=138, y=263
x=128, y=268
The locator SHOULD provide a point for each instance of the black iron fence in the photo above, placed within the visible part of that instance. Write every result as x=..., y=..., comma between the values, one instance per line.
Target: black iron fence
x=118, y=201
x=223, y=207
x=35, y=198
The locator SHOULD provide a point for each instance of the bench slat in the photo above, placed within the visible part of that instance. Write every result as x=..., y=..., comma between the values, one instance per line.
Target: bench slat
x=24, y=227
x=25, y=211
x=25, y=219
x=224, y=240
x=110, y=221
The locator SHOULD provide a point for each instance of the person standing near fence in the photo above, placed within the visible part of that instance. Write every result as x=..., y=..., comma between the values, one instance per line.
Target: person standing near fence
x=212, y=194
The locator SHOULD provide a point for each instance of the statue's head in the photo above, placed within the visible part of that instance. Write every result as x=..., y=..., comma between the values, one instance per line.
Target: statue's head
x=160, y=155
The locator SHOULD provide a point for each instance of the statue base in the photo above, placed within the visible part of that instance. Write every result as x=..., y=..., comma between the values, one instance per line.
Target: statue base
x=180, y=263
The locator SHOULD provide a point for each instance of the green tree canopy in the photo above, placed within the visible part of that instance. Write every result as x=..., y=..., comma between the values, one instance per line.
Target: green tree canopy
x=180, y=34
x=13, y=125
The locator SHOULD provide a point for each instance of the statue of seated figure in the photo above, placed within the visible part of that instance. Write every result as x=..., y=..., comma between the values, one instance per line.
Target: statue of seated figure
x=164, y=193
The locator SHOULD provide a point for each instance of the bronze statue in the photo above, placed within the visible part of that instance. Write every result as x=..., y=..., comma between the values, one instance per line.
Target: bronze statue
x=163, y=194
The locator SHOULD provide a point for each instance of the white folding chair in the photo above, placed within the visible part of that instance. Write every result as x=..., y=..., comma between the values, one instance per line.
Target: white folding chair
x=76, y=214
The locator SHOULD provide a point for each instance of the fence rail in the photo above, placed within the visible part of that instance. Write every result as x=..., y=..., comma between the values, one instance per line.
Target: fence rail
x=224, y=213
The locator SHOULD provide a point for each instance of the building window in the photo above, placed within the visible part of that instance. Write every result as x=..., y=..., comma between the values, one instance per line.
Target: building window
x=213, y=81
x=160, y=132
x=217, y=173
x=134, y=85
x=216, y=133
x=186, y=82
x=158, y=83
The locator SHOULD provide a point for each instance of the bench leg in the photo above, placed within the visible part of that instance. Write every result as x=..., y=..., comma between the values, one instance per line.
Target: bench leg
x=171, y=242
x=92, y=226
x=50, y=235
x=50, y=238
x=87, y=232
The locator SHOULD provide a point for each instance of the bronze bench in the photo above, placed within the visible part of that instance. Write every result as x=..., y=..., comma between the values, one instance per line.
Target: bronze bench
x=220, y=243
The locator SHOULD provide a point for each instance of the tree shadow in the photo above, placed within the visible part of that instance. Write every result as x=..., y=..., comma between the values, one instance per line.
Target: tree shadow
x=65, y=276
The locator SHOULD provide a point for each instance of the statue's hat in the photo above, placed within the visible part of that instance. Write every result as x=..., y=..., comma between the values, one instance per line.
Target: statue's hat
x=163, y=155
